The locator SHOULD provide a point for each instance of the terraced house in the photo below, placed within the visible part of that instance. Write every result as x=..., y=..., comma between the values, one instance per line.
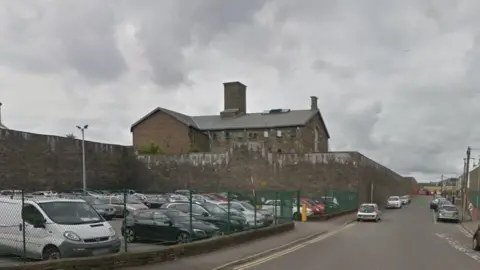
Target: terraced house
x=163, y=131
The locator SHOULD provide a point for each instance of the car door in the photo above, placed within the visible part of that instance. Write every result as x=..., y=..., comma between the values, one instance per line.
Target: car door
x=34, y=237
x=143, y=225
x=162, y=229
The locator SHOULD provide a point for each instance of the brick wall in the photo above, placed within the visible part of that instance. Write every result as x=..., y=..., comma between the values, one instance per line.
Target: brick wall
x=311, y=173
x=36, y=161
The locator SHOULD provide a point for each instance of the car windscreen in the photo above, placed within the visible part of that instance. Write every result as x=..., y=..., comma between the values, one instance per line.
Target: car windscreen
x=367, y=209
x=214, y=209
x=393, y=198
x=449, y=208
x=248, y=206
x=70, y=213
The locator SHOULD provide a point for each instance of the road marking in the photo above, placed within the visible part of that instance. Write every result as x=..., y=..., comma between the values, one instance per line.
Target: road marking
x=456, y=245
x=464, y=231
x=292, y=249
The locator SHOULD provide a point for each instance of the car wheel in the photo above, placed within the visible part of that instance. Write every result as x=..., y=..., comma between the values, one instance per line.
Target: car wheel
x=183, y=237
x=475, y=244
x=51, y=253
x=130, y=235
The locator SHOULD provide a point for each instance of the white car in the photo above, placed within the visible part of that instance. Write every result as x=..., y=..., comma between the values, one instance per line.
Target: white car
x=369, y=211
x=394, y=202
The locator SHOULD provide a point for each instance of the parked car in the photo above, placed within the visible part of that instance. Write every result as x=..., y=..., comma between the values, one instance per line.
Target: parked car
x=254, y=219
x=394, y=202
x=133, y=204
x=315, y=207
x=442, y=202
x=476, y=239
x=406, y=199
x=105, y=210
x=55, y=228
x=155, y=201
x=433, y=204
x=211, y=213
x=447, y=212
x=271, y=205
x=165, y=225
x=369, y=211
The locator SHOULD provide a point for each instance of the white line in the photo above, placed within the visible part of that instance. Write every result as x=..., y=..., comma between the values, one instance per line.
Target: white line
x=456, y=245
x=292, y=249
x=465, y=232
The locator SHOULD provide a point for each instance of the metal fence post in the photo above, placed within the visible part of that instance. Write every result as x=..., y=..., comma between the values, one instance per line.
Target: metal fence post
x=275, y=208
x=229, y=196
x=24, y=237
x=190, y=218
x=255, y=210
x=298, y=203
x=125, y=214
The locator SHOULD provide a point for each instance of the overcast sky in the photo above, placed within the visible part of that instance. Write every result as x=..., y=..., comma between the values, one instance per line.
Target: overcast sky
x=396, y=80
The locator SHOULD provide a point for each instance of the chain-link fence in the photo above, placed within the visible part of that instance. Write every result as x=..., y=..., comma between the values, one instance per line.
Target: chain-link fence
x=49, y=225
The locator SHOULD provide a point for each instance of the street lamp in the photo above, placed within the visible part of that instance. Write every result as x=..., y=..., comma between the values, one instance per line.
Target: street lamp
x=84, y=170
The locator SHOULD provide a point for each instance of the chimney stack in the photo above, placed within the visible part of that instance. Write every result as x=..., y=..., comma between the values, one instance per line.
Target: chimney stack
x=314, y=103
x=235, y=98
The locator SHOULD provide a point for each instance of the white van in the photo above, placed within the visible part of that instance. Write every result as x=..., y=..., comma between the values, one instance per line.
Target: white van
x=54, y=228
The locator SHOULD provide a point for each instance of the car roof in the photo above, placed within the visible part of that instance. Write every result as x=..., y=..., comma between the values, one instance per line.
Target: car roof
x=368, y=204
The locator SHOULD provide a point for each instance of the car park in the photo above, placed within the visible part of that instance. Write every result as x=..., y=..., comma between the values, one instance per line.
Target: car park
x=166, y=225
x=105, y=210
x=394, y=202
x=254, y=217
x=447, y=212
x=369, y=212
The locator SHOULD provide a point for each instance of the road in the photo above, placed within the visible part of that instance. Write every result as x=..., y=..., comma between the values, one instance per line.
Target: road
x=408, y=238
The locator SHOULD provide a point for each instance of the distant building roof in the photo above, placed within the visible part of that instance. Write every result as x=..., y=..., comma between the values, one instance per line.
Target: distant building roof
x=279, y=118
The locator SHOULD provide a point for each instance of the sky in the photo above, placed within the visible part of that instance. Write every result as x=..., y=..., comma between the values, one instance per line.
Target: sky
x=396, y=80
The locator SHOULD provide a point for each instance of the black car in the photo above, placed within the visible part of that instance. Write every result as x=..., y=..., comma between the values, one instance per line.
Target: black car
x=165, y=225
x=211, y=213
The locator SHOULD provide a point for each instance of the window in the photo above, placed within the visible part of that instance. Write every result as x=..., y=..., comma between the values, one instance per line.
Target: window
x=160, y=217
x=252, y=135
x=31, y=214
x=236, y=206
x=279, y=133
x=197, y=209
x=227, y=135
x=265, y=134
x=180, y=207
x=114, y=200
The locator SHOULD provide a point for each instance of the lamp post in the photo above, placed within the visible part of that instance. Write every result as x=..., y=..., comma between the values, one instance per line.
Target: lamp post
x=84, y=170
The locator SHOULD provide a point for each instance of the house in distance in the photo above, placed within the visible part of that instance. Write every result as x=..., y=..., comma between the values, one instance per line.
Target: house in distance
x=163, y=131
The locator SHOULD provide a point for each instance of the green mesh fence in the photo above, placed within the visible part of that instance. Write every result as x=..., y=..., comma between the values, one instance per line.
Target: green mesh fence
x=474, y=196
x=340, y=201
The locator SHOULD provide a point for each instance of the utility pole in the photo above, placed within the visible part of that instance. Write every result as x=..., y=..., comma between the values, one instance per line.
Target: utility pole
x=466, y=186
x=441, y=182
x=84, y=169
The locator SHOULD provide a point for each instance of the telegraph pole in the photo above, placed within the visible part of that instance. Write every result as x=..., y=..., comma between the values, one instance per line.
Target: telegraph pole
x=466, y=181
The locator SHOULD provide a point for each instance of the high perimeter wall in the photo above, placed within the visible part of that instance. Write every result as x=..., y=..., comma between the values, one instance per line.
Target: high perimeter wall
x=313, y=174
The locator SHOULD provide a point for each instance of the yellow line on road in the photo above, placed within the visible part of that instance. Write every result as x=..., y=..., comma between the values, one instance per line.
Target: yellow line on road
x=292, y=249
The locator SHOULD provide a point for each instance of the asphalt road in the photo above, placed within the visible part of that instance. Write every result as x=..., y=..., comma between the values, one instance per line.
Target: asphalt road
x=408, y=238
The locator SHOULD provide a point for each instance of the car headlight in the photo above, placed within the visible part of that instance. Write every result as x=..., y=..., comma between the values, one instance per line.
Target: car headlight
x=72, y=236
x=112, y=232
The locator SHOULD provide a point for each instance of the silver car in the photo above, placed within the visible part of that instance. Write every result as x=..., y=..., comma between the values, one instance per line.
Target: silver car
x=448, y=212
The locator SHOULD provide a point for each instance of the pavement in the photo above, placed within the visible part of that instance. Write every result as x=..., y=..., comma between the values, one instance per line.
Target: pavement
x=408, y=238
x=218, y=258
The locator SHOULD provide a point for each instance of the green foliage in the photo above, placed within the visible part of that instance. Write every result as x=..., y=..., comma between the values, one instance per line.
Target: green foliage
x=152, y=149
x=70, y=136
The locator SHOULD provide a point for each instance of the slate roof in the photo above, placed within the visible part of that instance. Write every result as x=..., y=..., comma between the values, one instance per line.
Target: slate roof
x=248, y=121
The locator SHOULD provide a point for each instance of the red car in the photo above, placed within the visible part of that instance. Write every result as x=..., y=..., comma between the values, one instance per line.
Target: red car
x=317, y=209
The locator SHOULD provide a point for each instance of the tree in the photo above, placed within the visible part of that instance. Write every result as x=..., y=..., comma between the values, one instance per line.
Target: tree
x=70, y=136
